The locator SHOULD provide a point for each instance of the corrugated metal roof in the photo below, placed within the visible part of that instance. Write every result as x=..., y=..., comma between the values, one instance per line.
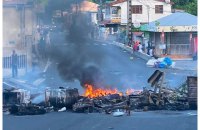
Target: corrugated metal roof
x=174, y=19
x=178, y=19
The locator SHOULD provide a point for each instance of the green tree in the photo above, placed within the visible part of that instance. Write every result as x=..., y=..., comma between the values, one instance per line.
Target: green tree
x=189, y=6
x=192, y=7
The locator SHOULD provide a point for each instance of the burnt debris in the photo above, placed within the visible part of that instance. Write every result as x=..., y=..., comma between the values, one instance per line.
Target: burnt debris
x=62, y=97
x=18, y=102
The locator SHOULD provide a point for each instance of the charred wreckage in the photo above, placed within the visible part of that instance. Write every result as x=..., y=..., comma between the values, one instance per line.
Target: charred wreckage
x=18, y=101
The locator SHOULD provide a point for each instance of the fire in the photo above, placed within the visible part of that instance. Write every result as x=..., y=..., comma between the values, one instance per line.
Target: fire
x=129, y=91
x=92, y=92
x=132, y=91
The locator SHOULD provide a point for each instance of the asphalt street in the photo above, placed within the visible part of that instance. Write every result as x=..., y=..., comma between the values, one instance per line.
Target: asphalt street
x=120, y=70
x=157, y=120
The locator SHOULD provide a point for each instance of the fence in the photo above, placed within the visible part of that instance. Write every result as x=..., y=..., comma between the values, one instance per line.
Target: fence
x=21, y=62
x=184, y=49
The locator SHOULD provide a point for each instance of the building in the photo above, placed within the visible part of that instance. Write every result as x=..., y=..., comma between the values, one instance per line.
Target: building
x=143, y=11
x=175, y=34
x=92, y=8
x=87, y=7
x=84, y=15
x=18, y=30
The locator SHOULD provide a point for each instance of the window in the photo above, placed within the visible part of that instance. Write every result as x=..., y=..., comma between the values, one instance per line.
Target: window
x=158, y=9
x=137, y=9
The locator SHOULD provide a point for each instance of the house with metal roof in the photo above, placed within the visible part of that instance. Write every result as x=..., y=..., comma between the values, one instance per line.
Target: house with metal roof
x=175, y=34
x=142, y=12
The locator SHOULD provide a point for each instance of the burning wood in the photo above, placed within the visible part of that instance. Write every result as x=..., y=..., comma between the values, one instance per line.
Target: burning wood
x=92, y=92
x=164, y=98
x=107, y=100
x=132, y=91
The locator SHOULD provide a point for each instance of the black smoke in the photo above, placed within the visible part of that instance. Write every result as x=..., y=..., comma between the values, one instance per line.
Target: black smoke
x=77, y=60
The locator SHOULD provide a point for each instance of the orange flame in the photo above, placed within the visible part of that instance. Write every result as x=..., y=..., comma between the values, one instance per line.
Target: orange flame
x=132, y=91
x=129, y=91
x=91, y=92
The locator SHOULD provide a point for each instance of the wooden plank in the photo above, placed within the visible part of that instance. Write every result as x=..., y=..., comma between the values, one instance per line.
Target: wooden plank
x=192, y=91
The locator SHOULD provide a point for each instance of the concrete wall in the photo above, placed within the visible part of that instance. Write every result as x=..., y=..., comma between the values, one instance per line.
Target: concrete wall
x=18, y=27
x=143, y=18
x=11, y=27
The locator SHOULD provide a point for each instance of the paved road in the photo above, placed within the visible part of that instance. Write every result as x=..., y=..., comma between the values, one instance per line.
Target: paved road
x=121, y=69
x=159, y=120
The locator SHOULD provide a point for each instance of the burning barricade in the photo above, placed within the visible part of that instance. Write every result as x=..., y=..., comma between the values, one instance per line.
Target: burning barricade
x=159, y=97
x=101, y=100
x=107, y=100
x=145, y=100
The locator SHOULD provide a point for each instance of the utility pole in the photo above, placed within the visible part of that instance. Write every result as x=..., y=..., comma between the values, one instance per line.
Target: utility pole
x=76, y=7
x=148, y=9
x=129, y=21
x=100, y=11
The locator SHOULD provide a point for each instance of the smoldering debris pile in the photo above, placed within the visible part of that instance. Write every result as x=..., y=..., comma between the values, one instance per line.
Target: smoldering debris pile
x=18, y=102
x=146, y=100
x=160, y=98
x=100, y=104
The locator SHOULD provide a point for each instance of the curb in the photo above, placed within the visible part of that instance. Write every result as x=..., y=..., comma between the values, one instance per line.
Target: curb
x=138, y=54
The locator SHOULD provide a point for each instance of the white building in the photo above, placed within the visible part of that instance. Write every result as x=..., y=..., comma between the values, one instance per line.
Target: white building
x=143, y=11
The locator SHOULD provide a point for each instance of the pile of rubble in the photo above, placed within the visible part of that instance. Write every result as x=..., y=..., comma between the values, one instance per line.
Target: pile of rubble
x=18, y=102
x=146, y=100
x=100, y=104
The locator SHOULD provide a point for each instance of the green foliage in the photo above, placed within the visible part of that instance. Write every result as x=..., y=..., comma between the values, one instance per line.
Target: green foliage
x=157, y=23
x=189, y=6
x=192, y=7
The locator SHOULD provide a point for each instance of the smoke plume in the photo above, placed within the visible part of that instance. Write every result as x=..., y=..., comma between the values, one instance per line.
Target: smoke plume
x=77, y=60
